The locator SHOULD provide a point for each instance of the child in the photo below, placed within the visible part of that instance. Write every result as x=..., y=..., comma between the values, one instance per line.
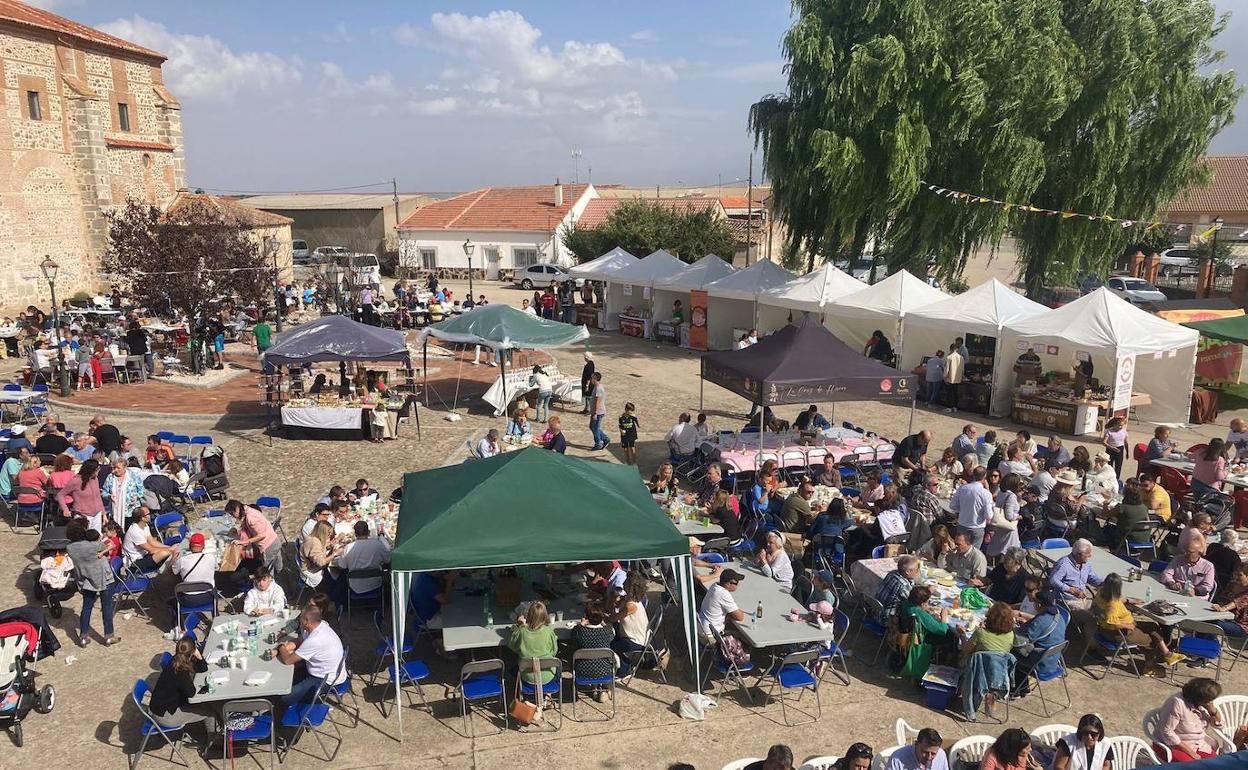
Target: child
x=112, y=533
x=1115, y=441
x=628, y=433
x=54, y=579
x=1027, y=608
x=266, y=596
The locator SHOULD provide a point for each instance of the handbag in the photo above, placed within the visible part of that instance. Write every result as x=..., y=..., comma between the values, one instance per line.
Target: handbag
x=522, y=711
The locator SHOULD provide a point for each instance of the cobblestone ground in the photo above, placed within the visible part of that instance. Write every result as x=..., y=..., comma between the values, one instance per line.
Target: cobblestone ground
x=94, y=722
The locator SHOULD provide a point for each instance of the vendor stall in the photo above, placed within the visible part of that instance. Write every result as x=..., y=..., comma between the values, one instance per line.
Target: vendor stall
x=601, y=270
x=977, y=316
x=811, y=293
x=881, y=306
x=329, y=415
x=733, y=300
x=628, y=300
x=675, y=288
x=1102, y=351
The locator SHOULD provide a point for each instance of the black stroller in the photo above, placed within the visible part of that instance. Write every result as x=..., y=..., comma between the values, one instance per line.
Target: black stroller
x=19, y=644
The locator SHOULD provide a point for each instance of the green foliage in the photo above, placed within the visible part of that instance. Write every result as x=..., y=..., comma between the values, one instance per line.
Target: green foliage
x=1102, y=106
x=641, y=227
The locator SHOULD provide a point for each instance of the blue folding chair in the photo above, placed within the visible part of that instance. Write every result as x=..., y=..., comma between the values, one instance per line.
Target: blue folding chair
x=183, y=440
x=1055, y=542
x=553, y=688
x=834, y=650
x=793, y=672
x=607, y=681
x=729, y=672
x=172, y=520
x=481, y=680
x=1117, y=645
x=165, y=435
x=337, y=693
x=1204, y=641
x=1052, y=655
x=312, y=717
x=130, y=585
x=260, y=727
x=12, y=387
x=171, y=735
x=198, y=598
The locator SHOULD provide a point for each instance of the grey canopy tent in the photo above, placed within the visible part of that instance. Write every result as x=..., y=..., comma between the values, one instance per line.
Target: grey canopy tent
x=501, y=327
x=536, y=503
x=336, y=338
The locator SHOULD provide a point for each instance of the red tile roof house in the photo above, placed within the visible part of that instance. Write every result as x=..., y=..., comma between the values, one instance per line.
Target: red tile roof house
x=1225, y=196
x=509, y=227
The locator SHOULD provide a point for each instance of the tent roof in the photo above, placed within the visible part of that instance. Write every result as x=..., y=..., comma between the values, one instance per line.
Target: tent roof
x=983, y=309
x=503, y=326
x=1233, y=329
x=805, y=363
x=894, y=296
x=336, y=338
x=749, y=282
x=646, y=270
x=613, y=261
x=814, y=290
x=531, y=506
x=695, y=276
x=1104, y=321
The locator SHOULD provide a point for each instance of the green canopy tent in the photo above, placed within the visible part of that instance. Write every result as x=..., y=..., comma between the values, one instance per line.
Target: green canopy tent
x=532, y=506
x=1234, y=329
x=501, y=327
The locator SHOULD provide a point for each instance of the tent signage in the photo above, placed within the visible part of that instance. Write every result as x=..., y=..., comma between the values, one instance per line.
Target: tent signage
x=1124, y=383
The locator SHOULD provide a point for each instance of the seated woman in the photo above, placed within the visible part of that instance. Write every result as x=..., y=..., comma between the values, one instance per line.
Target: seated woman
x=531, y=638
x=997, y=632
x=663, y=482
x=1080, y=460
x=590, y=634
x=1113, y=617
x=519, y=425
x=1235, y=601
x=170, y=704
x=1006, y=579
x=763, y=492
x=1127, y=521
x=949, y=466
x=1045, y=630
x=632, y=622
x=1185, y=718
x=914, y=611
x=1063, y=509
x=32, y=481
x=1012, y=751
x=935, y=550
x=1089, y=741
x=720, y=512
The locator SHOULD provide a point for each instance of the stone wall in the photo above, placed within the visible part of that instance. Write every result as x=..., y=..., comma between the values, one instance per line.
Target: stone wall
x=63, y=169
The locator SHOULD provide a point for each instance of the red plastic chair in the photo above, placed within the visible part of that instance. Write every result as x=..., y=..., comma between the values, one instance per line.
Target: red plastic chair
x=1241, y=507
x=1173, y=482
x=1137, y=454
x=1196, y=449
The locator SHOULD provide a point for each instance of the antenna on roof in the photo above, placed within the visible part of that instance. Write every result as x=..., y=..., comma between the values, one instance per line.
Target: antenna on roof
x=576, y=164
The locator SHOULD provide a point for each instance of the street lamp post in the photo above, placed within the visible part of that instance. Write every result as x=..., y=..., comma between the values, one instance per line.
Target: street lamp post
x=1213, y=256
x=49, y=268
x=279, y=296
x=469, y=247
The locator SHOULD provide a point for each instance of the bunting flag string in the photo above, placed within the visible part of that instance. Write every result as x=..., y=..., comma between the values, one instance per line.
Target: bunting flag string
x=977, y=199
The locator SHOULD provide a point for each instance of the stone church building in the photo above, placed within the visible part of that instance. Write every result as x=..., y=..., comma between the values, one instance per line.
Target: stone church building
x=85, y=123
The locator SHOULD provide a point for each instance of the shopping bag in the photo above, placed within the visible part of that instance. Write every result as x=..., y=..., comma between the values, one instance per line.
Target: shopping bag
x=231, y=557
x=694, y=706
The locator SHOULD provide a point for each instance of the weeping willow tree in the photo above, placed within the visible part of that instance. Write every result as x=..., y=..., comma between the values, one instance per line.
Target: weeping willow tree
x=1092, y=105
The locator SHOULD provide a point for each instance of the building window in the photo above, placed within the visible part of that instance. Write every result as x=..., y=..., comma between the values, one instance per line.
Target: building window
x=428, y=259
x=123, y=116
x=33, y=108
x=524, y=257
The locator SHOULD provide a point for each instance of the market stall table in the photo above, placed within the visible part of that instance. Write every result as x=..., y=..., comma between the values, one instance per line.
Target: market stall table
x=1103, y=563
x=232, y=683
x=634, y=326
x=775, y=628
x=564, y=388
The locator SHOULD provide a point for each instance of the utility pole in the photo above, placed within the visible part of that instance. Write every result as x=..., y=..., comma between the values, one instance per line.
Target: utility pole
x=749, y=211
x=394, y=183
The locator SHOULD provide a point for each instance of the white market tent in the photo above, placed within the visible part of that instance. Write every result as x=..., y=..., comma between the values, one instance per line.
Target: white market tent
x=733, y=302
x=677, y=287
x=632, y=285
x=1117, y=334
x=881, y=306
x=810, y=293
x=604, y=267
x=985, y=310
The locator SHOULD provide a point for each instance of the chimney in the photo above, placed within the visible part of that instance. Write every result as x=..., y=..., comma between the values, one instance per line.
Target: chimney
x=558, y=194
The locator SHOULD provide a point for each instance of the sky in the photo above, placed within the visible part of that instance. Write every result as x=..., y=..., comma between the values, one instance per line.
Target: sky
x=285, y=95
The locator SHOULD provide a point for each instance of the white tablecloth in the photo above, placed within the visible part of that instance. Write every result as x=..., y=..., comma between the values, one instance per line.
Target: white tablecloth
x=323, y=417
x=565, y=388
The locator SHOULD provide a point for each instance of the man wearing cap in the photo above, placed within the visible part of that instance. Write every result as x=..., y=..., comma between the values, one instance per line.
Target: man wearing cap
x=195, y=566
x=1046, y=479
x=18, y=441
x=719, y=605
x=587, y=376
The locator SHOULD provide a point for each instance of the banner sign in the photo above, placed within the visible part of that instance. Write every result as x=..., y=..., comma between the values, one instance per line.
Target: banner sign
x=1124, y=383
x=698, y=301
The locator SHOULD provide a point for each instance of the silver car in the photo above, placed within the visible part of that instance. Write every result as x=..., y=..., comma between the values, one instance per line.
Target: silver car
x=1135, y=290
x=541, y=274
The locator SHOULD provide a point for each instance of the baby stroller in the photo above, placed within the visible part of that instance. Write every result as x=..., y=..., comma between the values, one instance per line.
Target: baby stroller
x=19, y=642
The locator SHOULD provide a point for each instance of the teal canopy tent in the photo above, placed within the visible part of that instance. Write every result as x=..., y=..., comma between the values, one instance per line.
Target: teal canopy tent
x=1234, y=329
x=533, y=506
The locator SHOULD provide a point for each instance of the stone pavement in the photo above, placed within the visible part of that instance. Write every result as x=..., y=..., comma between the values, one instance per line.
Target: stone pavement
x=94, y=720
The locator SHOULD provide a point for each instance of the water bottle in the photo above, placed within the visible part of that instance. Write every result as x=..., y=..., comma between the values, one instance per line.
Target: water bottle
x=253, y=638
x=1148, y=595
x=212, y=685
x=758, y=613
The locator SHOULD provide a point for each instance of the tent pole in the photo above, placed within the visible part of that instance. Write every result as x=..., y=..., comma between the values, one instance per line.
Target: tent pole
x=459, y=377
x=502, y=372
x=761, y=412
x=398, y=618
x=910, y=430
x=701, y=394
x=833, y=420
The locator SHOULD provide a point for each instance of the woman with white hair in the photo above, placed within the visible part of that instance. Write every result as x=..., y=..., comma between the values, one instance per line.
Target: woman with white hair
x=774, y=561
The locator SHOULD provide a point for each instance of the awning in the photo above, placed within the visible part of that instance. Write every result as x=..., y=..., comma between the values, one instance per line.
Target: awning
x=502, y=327
x=336, y=338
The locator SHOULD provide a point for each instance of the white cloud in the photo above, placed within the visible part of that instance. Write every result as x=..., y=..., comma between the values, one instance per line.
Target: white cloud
x=338, y=34
x=338, y=84
x=753, y=72
x=203, y=67
x=644, y=36
x=443, y=105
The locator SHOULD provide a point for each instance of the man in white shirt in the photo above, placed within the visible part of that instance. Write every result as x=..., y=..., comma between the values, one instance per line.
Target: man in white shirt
x=366, y=553
x=955, y=368
x=488, y=446
x=320, y=651
x=924, y=754
x=683, y=439
x=195, y=566
x=1015, y=462
x=718, y=605
x=1044, y=481
x=973, y=505
x=527, y=308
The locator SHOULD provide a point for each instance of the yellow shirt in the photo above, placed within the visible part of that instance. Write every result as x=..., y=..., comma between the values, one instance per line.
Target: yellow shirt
x=1114, y=615
x=1158, y=502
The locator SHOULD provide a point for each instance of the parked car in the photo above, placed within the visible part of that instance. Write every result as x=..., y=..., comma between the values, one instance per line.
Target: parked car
x=327, y=254
x=1056, y=296
x=1089, y=283
x=300, y=252
x=1179, y=261
x=861, y=268
x=541, y=275
x=1134, y=290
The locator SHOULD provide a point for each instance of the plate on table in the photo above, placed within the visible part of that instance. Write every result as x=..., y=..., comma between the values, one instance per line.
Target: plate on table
x=258, y=678
x=936, y=573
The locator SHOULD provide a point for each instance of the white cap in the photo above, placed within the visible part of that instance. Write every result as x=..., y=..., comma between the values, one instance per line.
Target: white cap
x=18, y=430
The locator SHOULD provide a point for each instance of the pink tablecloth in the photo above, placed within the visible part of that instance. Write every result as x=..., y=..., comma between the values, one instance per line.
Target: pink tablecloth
x=745, y=458
x=869, y=573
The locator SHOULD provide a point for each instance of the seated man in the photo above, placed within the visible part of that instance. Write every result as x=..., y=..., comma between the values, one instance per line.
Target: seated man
x=366, y=553
x=1073, y=576
x=1156, y=498
x=924, y=754
x=710, y=485
x=488, y=445
x=897, y=584
x=158, y=452
x=142, y=551
x=830, y=475
x=51, y=441
x=718, y=606
x=320, y=650
x=966, y=561
x=964, y=443
x=797, y=512
x=82, y=448
x=1057, y=452
x=195, y=566
x=1190, y=572
x=682, y=440
x=912, y=451
x=811, y=420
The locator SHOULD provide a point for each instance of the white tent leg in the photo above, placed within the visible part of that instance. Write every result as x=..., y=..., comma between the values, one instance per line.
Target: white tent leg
x=910, y=430
x=701, y=393
x=398, y=617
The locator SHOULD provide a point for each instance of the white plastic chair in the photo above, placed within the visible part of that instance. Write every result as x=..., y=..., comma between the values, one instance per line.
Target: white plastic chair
x=820, y=763
x=970, y=749
x=1050, y=734
x=1127, y=750
x=1233, y=711
x=905, y=733
x=741, y=764
x=1149, y=725
x=881, y=758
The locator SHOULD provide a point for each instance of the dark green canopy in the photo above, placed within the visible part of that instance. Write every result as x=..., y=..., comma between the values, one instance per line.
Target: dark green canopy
x=531, y=506
x=1234, y=329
